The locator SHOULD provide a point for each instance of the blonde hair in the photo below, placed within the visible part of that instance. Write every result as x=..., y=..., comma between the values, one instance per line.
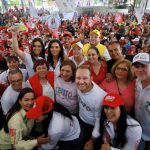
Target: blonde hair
x=128, y=63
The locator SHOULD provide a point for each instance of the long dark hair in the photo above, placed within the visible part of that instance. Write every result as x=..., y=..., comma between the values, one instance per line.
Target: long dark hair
x=120, y=139
x=16, y=107
x=50, y=56
x=57, y=108
x=43, y=48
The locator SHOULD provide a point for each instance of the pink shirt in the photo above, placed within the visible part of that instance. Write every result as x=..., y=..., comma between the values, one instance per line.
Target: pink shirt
x=128, y=93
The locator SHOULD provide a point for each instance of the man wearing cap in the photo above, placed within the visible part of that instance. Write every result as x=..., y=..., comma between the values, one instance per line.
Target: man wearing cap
x=95, y=41
x=90, y=97
x=141, y=63
x=78, y=58
x=67, y=39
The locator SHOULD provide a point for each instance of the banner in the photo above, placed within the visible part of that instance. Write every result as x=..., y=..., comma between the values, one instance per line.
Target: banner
x=66, y=6
x=139, y=12
x=32, y=9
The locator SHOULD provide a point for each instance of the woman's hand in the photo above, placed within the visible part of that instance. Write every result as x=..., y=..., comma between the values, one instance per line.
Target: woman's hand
x=89, y=145
x=42, y=140
x=105, y=146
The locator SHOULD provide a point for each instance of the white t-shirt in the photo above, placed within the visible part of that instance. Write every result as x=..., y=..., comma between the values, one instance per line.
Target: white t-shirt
x=90, y=104
x=133, y=133
x=62, y=129
x=142, y=109
x=48, y=90
x=4, y=76
x=9, y=98
x=57, y=68
x=81, y=63
x=66, y=94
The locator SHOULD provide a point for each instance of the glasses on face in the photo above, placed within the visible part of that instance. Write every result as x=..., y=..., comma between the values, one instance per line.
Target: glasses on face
x=122, y=69
x=15, y=81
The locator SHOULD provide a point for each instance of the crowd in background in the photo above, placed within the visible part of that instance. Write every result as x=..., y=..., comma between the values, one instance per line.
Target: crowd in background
x=84, y=85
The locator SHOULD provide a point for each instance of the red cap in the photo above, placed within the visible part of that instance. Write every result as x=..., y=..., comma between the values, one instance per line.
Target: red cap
x=66, y=33
x=43, y=104
x=113, y=100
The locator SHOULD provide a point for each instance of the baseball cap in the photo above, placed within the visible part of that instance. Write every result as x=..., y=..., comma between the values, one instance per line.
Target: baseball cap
x=66, y=33
x=78, y=44
x=136, y=40
x=95, y=32
x=113, y=100
x=143, y=58
x=43, y=104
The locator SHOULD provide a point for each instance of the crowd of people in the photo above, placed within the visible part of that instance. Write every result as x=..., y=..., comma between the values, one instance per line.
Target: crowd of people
x=79, y=87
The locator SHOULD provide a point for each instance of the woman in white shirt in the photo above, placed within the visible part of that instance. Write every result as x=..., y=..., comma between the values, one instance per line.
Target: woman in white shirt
x=17, y=128
x=65, y=87
x=116, y=129
x=63, y=129
x=37, y=51
x=55, y=56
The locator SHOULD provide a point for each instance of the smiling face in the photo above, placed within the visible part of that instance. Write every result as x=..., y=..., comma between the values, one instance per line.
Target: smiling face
x=37, y=48
x=83, y=80
x=115, y=51
x=94, y=39
x=121, y=71
x=42, y=70
x=77, y=51
x=142, y=71
x=92, y=56
x=112, y=113
x=55, y=49
x=27, y=101
x=13, y=64
x=66, y=73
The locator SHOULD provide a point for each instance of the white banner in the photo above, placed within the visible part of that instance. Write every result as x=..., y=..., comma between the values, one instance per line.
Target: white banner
x=139, y=12
x=32, y=9
x=66, y=6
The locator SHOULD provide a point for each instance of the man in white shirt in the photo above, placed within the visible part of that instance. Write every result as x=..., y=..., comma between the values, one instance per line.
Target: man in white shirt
x=10, y=95
x=90, y=97
x=141, y=63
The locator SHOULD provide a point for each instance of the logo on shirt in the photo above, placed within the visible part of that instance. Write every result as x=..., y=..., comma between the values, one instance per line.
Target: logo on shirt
x=63, y=93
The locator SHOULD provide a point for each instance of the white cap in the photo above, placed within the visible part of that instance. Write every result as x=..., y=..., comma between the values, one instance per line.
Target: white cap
x=143, y=58
x=136, y=40
x=78, y=44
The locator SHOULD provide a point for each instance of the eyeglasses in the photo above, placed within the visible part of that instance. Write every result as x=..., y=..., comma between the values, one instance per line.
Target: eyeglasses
x=121, y=69
x=16, y=81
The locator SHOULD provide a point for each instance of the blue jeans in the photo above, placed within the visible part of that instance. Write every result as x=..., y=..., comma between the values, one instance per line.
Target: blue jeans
x=144, y=145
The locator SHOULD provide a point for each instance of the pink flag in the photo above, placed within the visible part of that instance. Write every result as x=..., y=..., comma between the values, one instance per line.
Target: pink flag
x=118, y=18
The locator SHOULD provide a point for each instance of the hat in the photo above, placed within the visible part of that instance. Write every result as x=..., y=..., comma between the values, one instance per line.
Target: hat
x=136, y=40
x=78, y=44
x=43, y=104
x=66, y=33
x=113, y=100
x=95, y=32
x=143, y=58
